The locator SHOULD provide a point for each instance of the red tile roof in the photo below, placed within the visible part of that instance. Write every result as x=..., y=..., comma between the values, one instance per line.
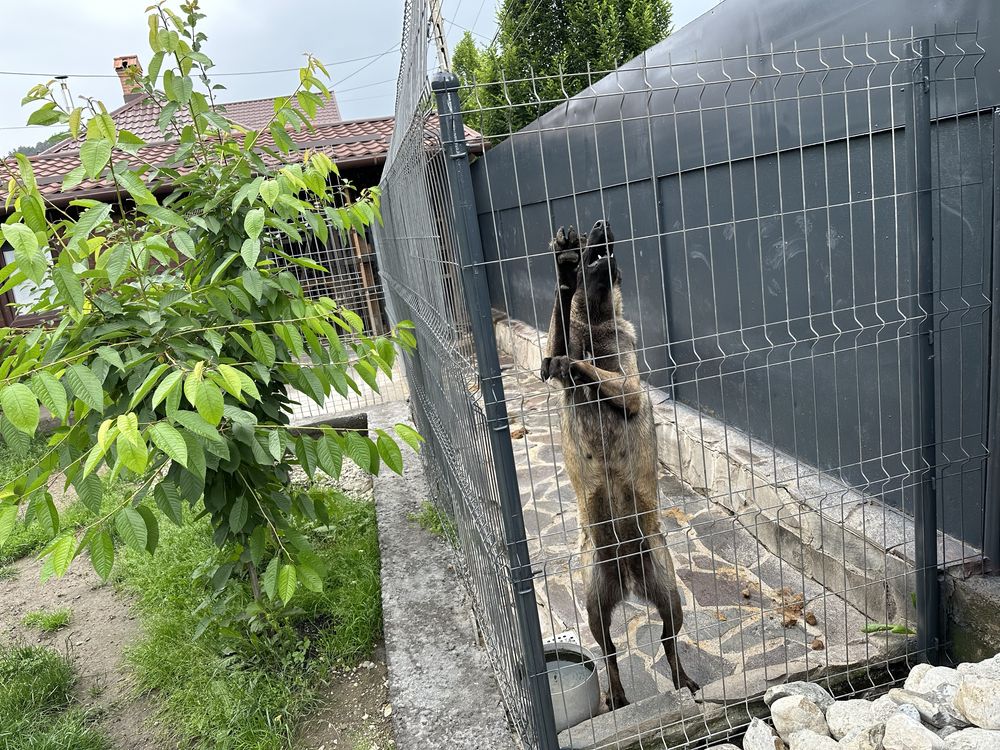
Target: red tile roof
x=139, y=117
x=348, y=143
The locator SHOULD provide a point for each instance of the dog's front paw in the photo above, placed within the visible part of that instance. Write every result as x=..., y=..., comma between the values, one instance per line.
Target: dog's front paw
x=566, y=246
x=561, y=368
x=546, y=368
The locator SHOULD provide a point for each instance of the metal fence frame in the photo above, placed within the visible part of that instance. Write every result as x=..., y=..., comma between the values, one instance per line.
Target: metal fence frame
x=436, y=274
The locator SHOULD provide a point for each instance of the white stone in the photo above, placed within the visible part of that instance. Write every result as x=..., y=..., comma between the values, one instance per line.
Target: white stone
x=903, y=733
x=794, y=713
x=936, y=708
x=864, y=739
x=727, y=746
x=882, y=709
x=986, y=668
x=811, y=690
x=973, y=739
x=844, y=716
x=978, y=700
x=809, y=740
x=760, y=736
x=930, y=678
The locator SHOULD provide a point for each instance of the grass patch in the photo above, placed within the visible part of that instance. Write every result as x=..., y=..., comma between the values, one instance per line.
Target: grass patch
x=7, y=572
x=431, y=520
x=48, y=621
x=234, y=691
x=36, y=708
x=27, y=539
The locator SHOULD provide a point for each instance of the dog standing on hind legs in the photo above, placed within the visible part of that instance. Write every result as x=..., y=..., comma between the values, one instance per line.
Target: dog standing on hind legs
x=609, y=445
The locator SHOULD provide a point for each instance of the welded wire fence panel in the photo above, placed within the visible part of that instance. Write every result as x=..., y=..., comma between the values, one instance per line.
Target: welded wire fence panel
x=420, y=255
x=817, y=367
x=746, y=396
x=344, y=268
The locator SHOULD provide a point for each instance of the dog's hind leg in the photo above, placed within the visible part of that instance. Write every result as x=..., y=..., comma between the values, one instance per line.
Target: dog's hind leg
x=659, y=586
x=604, y=593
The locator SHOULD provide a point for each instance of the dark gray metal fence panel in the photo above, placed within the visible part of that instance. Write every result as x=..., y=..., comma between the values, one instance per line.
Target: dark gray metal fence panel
x=788, y=273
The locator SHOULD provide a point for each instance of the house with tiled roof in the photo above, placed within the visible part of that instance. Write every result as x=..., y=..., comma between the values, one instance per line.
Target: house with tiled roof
x=358, y=147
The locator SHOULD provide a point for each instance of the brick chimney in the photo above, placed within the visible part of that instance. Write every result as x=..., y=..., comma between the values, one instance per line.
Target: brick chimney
x=123, y=67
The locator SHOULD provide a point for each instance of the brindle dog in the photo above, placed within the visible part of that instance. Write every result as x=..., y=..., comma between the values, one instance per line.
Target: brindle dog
x=609, y=444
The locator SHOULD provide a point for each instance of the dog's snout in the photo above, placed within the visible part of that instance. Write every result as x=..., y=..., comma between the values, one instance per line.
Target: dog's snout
x=601, y=224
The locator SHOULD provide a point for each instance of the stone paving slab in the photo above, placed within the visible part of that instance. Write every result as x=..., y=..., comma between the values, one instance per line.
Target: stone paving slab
x=745, y=609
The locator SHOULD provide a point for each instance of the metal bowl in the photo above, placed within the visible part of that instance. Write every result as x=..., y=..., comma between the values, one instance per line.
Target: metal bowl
x=573, y=682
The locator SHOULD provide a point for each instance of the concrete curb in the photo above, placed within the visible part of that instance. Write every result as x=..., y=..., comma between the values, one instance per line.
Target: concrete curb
x=441, y=686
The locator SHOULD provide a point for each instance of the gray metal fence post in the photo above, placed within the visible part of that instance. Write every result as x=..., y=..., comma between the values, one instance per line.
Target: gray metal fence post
x=477, y=301
x=991, y=520
x=925, y=511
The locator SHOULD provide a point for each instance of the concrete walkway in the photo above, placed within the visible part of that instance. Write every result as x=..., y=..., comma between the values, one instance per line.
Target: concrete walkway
x=442, y=689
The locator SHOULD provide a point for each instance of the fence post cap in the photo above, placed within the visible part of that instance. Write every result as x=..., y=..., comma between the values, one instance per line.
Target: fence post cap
x=444, y=80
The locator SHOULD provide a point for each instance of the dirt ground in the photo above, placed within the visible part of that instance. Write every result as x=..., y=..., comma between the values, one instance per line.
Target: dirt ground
x=354, y=712
x=99, y=629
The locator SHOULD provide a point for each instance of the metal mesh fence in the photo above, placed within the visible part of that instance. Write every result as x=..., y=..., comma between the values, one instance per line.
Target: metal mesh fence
x=727, y=433
x=350, y=276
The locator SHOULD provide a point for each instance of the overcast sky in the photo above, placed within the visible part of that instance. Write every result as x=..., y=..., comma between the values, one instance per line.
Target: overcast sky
x=73, y=37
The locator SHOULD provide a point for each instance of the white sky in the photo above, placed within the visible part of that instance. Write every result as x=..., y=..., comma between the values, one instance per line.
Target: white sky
x=74, y=37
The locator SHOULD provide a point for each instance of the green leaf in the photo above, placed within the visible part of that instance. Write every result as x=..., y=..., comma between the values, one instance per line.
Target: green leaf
x=132, y=451
x=28, y=255
x=102, y=553
x=165, y=216
x=270, y=578
x=258, y=539
x=184, y=243
x=196, y=424
x=52, y=393
x=358, y=451
x=286, y=583
x=152, y=528
x=409, y=436
x=61, y=552
x=90, y=490
x=309, y=578
x=250, y=251
x=238, y=515
x=73, y=178
x=94, y=156
x=8, y=517
x=274, y=445
x=210, y=402
x=135, y=187
x=111, y=356
x=21, y=407
x=166, y=386
x=114, y=263
x=168, y=500
x=231, y=376
x=86, y=386
x=69, y=287
x=390, y=453
x=269, y=190
x=253, y=223
x=263, y=348
x=329, y=455
x=147, y=385
x=170, y=441
x=253, y=283
x=132, y=528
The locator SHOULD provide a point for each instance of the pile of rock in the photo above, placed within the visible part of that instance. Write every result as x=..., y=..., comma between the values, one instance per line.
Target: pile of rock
x=938, y=708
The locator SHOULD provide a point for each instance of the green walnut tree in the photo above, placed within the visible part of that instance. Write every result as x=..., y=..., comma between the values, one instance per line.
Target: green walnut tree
x=177, y=332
